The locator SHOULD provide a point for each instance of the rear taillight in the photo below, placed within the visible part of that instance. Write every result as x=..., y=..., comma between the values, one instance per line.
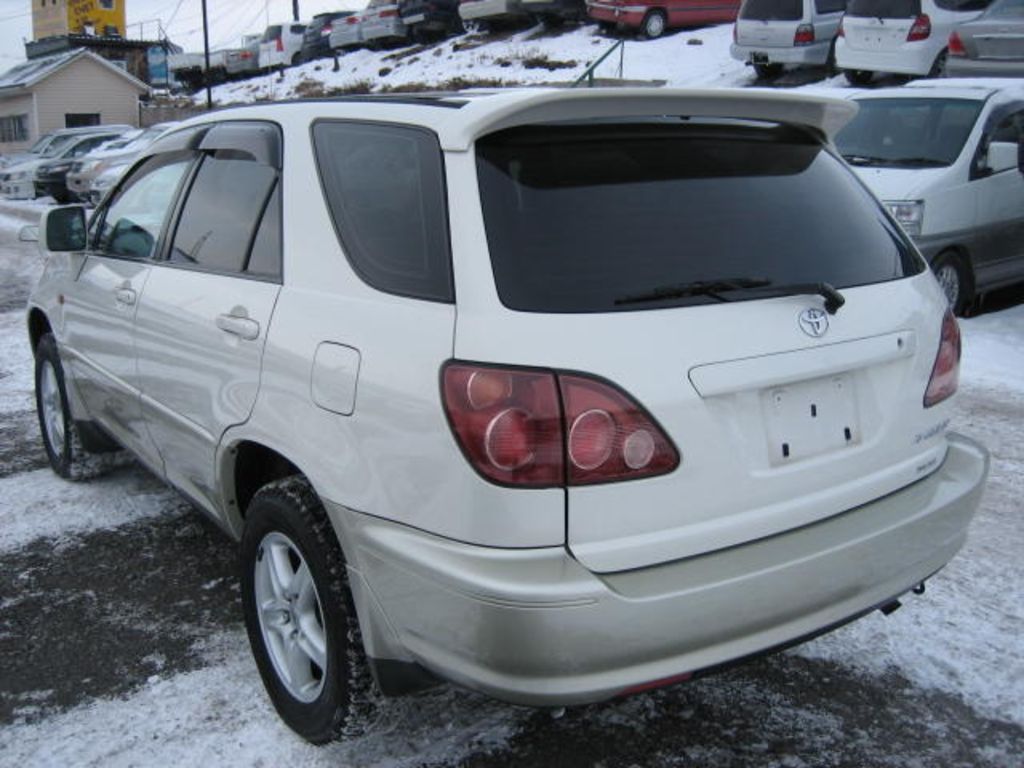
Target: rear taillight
x=279, y=45
x=804, y=35
x=946, y=370
x=352, y=20
x=326, y=30
x=955, y=46
x=609, y=436
x=921, y=28
x=532, y=428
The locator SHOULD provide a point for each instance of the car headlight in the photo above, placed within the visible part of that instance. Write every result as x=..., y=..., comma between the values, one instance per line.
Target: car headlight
x=909, y=213
x=58, y=168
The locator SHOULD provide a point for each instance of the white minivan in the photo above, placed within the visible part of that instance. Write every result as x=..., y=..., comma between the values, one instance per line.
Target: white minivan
x=903, y=37
x=281, y=45
x=947, y=159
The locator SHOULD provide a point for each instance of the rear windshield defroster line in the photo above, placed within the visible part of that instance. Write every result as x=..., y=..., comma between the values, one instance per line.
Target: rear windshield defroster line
x=579, y=216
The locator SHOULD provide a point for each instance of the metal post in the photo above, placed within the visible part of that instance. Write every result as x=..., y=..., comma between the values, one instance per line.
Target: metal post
x=206, y=54
x=295, y=10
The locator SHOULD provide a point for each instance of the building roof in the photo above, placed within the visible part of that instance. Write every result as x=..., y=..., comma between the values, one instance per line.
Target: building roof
x=24, y=76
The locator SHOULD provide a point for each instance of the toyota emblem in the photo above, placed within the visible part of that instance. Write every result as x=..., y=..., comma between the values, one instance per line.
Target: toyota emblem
x=814, y=322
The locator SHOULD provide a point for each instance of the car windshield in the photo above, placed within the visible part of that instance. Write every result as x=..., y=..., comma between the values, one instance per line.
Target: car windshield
x=884, y=9
x=41, y=144
x=603, y=217
x=58, y=145
x=772, y=10
x=908, y=132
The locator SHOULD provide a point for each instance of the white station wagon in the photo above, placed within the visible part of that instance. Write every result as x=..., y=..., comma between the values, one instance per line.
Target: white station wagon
x=556, y=395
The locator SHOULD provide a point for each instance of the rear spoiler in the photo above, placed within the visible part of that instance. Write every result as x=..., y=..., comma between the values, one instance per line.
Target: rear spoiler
x=478, y=117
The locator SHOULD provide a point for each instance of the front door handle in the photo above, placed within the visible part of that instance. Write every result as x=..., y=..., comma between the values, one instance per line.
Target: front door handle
x=125, y=296
x=243, y=327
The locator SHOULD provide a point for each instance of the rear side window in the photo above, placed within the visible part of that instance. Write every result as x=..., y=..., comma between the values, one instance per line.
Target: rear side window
x=221, y=215
x=772, y=10
x=386, y=193
x=963, y=5
x=588, y=218
x=829, y=6
x=884, y=9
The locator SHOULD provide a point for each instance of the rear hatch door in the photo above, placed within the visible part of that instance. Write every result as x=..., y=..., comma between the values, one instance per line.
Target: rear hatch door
x=613, y=249
x=879, y=25
x=768, y=23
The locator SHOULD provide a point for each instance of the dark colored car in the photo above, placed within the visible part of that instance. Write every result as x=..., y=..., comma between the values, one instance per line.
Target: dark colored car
x=430, y=18
x=51, y=177
x=316, y=42
x=991, y=45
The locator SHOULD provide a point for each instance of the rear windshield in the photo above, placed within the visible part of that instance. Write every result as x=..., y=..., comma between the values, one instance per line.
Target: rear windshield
x=884, y=9
x=271, y=34
x=1007, y=9
x=772, y=10
x=593, y=218
x=908, y=133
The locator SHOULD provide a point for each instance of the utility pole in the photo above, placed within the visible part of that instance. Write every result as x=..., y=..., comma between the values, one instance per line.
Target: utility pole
x=295, y=10
x=206, y=54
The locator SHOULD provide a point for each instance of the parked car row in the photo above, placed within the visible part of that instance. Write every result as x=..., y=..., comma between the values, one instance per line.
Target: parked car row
x=864, y=37
x=77, y=164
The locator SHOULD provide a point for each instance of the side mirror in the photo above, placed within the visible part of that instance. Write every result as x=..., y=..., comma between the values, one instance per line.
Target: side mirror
x=63, y=229
x=1002, y=156
x=29, y=233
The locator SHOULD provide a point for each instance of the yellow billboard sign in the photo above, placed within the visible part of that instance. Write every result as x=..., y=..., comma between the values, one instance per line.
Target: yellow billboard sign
x=77, y=17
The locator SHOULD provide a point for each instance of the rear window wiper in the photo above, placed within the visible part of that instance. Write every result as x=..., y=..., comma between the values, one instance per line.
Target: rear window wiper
x=712, y=288
x=918, y=162
x=866, y=160
x=717, y=288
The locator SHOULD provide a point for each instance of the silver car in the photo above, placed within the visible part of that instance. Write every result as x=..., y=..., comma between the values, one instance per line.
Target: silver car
x=771, y=34
x=991, y=45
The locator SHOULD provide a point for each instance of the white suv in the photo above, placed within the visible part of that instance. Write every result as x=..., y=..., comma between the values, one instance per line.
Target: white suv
x=559, y=395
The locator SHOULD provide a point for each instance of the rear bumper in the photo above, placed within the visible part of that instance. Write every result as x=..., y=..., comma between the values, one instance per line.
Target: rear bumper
x=910, y=59
x=627, y=16
x=958, y=66
x=532, y=626
x=810, y=55
x=482, y=9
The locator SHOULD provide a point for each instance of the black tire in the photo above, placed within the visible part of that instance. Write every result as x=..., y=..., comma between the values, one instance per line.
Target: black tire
x=767, y=71
x=606, y=27
x=831, y=70
x=653, y=25
x=289, y=510
x=955, y=279
x=939, y=65
x=61, y=440
x=858, y=76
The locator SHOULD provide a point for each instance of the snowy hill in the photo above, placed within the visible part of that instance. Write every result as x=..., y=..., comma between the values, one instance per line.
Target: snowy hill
x=533, y=56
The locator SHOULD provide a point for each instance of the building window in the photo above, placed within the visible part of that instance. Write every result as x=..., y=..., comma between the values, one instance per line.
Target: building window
x=14, y=128
x=81, y=119
x=107, y=5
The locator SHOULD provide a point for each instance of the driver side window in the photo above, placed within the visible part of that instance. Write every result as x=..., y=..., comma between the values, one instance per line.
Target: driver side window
x=131, y=224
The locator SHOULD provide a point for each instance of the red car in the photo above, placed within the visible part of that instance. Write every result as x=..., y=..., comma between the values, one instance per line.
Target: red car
x=653, y=17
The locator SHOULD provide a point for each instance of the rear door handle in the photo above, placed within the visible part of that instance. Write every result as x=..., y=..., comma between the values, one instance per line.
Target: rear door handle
x=243, y=327
x=125, y=296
